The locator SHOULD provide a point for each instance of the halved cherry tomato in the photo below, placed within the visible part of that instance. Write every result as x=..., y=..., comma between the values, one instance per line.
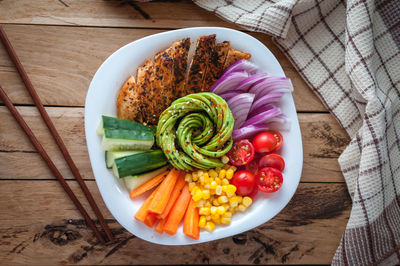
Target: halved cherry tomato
x=244, y=181
x=241, y=153
x=252, y=166
x=279, y=139
x=269, y=179
x=272, y=160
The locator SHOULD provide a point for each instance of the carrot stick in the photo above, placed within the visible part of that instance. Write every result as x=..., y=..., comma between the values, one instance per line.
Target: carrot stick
x=174, y=195
x=178, y=211
x=150, y=219
x=191, y=221
x=160, y=200
x=159, y=227
x=142, y=212
x=148, y=185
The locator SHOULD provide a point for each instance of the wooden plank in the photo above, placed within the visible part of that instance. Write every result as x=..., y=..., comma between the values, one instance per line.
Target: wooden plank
x=40, y=226
x=323, y=141
x=61, y=62
x=108, y=13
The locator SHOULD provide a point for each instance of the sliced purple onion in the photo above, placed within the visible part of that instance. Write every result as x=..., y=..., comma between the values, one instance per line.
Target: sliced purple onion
x=241, y=65
x=240, y=106
x=275, y=84
x=248, y=131
x=260, y=109
x=272, y=97
x=264, y=117
x=245, y=84
x=228, y=82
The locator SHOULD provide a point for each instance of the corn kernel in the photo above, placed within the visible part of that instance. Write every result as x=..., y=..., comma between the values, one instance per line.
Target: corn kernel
x=198, y=195
x=225, y=159
x=215, y=202
x=241, y=208
x=230, y=189
x=226, y=206
x=213, y=210
x=188, y=177
x=234, y=168
x=200, y=172
x=208, y=217
x=213, y=185
x=208, y=204
x=215, y=217
x=194, y=174
x=225, y=220
x=218, y=190
x=207, y=186
x=191, y=186
x=218, y=181
x=233, y=201
x=239, y=199
x=202, y=221
x=210, y=226
x=247, y=201
x=227, y=215
x=204, y=211
x=200, y=203
x=195, y=177
x=201, y=179
x=212, y=173
x=225, y=181
x=206, y=194
x=226, y=167
x=217, y=169
x=220, y=210
x=222, y=199
x=229, y=173
x=222, y=174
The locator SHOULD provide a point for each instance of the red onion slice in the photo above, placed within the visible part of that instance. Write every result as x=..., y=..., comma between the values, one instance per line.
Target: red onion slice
x=263, y=117
x=240, y=106
x=228, y=82
x=241, y=65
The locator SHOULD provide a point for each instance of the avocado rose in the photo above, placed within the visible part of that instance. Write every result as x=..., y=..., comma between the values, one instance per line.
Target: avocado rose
x=195, y=131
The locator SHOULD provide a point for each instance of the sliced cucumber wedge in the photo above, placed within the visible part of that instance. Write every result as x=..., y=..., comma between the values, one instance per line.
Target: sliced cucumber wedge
x=134, y=181
x=117, y=123
x=124, y=140
x=112, y=155
x=139, y=163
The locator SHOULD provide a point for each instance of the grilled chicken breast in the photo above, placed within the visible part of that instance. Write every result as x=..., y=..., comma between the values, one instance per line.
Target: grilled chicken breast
x=215, y=65
x=144, y=85
x=198, y=66
x=235, y=55
x=127, y=102
x=181, y=52
x=162, y=85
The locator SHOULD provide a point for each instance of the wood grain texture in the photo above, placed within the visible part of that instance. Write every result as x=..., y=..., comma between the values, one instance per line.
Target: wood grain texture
x=61, y=62
x=306, y=231
x=323, y=141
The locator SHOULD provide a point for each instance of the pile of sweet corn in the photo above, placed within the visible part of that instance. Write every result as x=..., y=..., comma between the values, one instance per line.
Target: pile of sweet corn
x=215, y=196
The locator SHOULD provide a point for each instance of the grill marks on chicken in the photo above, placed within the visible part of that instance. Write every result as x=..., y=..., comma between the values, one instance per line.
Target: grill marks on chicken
x=181, y=53
x=198, y=67
x=158, y=84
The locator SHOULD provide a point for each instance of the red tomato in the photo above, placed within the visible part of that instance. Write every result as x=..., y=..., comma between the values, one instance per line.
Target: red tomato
x=244, y=181
x=254, y=193
x=241, y=153
x=269, y=179
x=264, y=142
x=252, y=166
x=272, y=160
x=279, y=139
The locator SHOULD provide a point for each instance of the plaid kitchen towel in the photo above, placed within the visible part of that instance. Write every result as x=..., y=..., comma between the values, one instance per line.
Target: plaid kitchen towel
x=349, y=54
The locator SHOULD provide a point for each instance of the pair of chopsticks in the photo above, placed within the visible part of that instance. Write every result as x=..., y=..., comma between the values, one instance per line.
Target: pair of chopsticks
x=59, y=142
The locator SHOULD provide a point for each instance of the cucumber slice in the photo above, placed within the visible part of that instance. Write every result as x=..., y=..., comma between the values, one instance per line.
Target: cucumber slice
x=117, y=123
x=135, y=181
x=112, y=155
x=139, y=163
x=123, y=140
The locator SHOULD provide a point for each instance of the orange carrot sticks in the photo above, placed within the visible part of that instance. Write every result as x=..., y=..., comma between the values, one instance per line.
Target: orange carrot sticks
x=191, y=221
x=159, y=226
x=142, y=212
x=174, y=195
x=148, y=185
x=178, y=211
x=160, y=200
x=150, y=219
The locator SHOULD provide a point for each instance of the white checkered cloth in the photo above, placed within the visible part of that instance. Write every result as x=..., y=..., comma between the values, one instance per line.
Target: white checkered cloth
x=349, y=55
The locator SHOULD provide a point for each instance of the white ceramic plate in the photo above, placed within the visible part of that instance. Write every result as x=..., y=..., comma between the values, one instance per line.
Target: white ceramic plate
x=101, y=99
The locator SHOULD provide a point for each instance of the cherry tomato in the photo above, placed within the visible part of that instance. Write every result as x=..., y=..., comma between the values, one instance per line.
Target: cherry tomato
x=241, y=153
x=269, y=179
x=279, y=139
x=252, y=166
x=272, y=160
x=254, y=193
x=244, y=181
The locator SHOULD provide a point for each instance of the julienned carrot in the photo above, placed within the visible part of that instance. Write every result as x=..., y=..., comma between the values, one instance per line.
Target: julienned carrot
x=174, y=195
x=160, y=200
x=178, y=211
x=191, y=221
x=150, y=219
x=159, y=226
x=148, y=185
x=142, y=212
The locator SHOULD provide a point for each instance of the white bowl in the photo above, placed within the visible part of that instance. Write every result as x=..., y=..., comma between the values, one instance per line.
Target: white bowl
x=101, y=99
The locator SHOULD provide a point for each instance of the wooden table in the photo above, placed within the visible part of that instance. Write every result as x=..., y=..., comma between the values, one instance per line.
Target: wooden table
x=61, y=44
